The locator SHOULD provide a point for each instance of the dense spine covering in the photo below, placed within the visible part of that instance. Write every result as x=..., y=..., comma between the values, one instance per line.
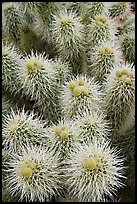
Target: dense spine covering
x=93, y=171
x=100, y=30
x=92, y=9
x=11, y=68
x=78, y=7
x=6, y=106
x=62, y=138
x=62, y=70
x=11, y=20
x=129, y=25
x=118, y=8
x=103, y=58
x=120, y=97
x=128, y=47
x=21, y=128
x=33, y=174
x=80, y=94
x=92, y=125
x=6, y=156
x=68, y=35
x=40, y=84
x=43, y=18
x=68, y=74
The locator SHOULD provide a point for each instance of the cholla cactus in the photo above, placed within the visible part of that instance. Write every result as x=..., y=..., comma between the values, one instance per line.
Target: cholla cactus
x=28, y=8
x=120, y=97
x=11, y=20
x=11, y=65
x=103, y=58
x=78, y=7
x=62, y=138
x=40, y=84
x=62, y=70
x=92, y=125
x=68, y=73
x=6, y=106
x=67, y=34
x=126, y=141
x=5, y=160
x=43, y=18
x=6, y=156
x=117, y=9
x=79, y=95
x=94, y=171
x=33, y=173
x=93, y=9
x=128, y=47
x=100, y=30
x=20, y=128
x=129, y=25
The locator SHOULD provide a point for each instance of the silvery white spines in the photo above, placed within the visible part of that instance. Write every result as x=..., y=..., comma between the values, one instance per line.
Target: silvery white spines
x=34, y=174
x=20, y=128
x=78, y=7
x=120, y=97
x=11, y=21
x=39, y=82
x=43, y=18
x=80, y=94
x=92, y=9
x=67, y=34
x=6, y=105
x=100, y=30
x=128, y=47
x=11, y=68
x=5, y=164
x=103, y=58
x=35, y=34
x=129, y=24
x=117, y=9
x=92, y=125
x=62, y=70
x=94, y=171
x=62, y=138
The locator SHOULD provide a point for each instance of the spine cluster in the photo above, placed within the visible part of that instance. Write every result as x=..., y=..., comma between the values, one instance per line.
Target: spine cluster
x=68, y=101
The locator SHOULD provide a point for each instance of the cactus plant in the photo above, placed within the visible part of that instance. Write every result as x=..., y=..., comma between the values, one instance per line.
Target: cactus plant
x=81, y=94
x=11, y=65
x=11, y=21
x=119, y=8
x=128, y=47
x=103, y=58
x=120, y=97
x=93, y=171
x=92, y=9
x=100, y=29
x=62, y=70
x=6, y=106
x=20, y=128
x=92, y=125
x=43, y=18
x=68, y=73
x=40, y=84
x=62, y=138
x=33, y=173
x=67, y=35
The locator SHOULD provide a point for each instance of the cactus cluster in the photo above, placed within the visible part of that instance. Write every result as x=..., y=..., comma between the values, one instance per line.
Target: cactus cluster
x=119, y=99
x=68, y=101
